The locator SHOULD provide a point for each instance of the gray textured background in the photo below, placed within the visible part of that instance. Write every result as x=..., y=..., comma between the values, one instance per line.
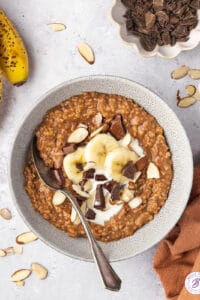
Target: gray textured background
x=54, y=59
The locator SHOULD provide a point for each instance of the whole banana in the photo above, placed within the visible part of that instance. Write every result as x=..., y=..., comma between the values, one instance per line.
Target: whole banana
x=13, y=54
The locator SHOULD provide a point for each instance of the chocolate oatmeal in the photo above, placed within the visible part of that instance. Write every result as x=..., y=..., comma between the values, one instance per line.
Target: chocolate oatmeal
x=112, y=155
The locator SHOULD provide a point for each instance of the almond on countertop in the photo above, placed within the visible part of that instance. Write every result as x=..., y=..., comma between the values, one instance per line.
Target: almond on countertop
x=86, y=52
x=39, y=270
x=26, y=237
x=57, y=26
x=180, y=72
x=5, y=213
x=190, y=90
x=194, y=73
x=20, y=275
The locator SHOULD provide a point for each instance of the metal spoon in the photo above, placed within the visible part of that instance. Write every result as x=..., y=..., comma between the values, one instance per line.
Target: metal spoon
x=110, y=278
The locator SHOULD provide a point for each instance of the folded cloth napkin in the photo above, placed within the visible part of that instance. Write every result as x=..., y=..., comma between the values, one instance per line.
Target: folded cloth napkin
x=179, y=253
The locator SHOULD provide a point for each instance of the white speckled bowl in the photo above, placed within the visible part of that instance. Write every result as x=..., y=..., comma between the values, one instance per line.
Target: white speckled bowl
x=117, y=13
x=149, y=234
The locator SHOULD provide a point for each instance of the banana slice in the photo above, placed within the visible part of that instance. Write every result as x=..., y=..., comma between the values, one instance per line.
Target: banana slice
x=71, y=165
x=98, y=148
x=116, y=160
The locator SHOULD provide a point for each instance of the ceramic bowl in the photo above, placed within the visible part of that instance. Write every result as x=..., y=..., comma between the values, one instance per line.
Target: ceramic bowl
x=117, y=13
x=148, y=235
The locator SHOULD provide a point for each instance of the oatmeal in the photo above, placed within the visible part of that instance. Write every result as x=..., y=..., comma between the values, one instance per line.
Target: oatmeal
x=112, y=155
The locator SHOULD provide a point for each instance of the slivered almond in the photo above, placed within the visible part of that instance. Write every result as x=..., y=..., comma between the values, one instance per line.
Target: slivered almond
x=137, y=201
x=5, y=213
x=82, y=125
x=26, y=237
x=86, y=52
x=2, y=253
x=97, y=131
x=194, y=73
x=137, y=176
x=152, y=171
x=190, y=90
x=74, y=216
x=20, y=283
x=180, y=72
x=39, y=270
x=20, y=275
x=97, y=119
x=78, y=135
x=126, y=140
x=58, y=198
x=57, y=26
x=127, y=195
x=78, y=190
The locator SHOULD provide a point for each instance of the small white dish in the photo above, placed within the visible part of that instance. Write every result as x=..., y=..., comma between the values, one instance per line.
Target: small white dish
x=117, y=13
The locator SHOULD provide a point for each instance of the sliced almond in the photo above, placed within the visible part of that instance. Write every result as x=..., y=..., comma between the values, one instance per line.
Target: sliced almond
x=20, y=283
x=137, y=201
x=186, y=101
x=87, y=186
x=180, y=72
x=39, y=270
x=137, y=176
x=82, y=125
x=152, y=171
x=18, y=250
x=97, y=119
x=194, y=73
x=78, y=190
x=126, y=140
x=57, y=26
x=127, y=195
x=26, y=237
x=78, y=135
x=73, y=215
x=86, y=52
x=135, y=146
x=97, y=131
x=20, y=275
x=58, y=198
x=5, y=213
x=190, y=90
x=2, y=253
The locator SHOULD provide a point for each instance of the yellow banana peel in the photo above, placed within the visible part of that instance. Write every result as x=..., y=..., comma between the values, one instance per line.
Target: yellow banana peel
x=13, y=54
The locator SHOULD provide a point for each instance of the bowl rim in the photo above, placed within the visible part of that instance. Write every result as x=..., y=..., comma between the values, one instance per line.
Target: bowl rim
x=150, y=54
x=19, y=126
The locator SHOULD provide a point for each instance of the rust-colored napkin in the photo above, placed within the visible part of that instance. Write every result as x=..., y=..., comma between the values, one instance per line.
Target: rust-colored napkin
x=179, y=253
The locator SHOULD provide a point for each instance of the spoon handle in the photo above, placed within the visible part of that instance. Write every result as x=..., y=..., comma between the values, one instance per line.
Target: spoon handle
x=110, y=278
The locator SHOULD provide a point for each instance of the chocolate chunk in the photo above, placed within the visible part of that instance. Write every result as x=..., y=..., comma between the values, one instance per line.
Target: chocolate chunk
x=141, y=163
x=90, y=214
x=57, y=175
x=109, y=185
x=89, y=174
x=129, y=170
x=79, y=166
x=115, y=193
x=99, y=202
x=149, y=20
x=100, y=177
x=69, y=149
x=117, y=128
x=80, y=200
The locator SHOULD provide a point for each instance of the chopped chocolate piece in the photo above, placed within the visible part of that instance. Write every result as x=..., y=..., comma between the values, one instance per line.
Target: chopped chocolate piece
x=69, y=149
x=79, y=166
x=129, y=170
x=117, y=128
x=141, y=163
x=82, y=183
x=90, y=214
x=149, y=20
x=100, y=177
x=115, y=193
x=57, y=175
x=80, y=200
x=99, y=202
x=109, y=185
x=89, y=174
